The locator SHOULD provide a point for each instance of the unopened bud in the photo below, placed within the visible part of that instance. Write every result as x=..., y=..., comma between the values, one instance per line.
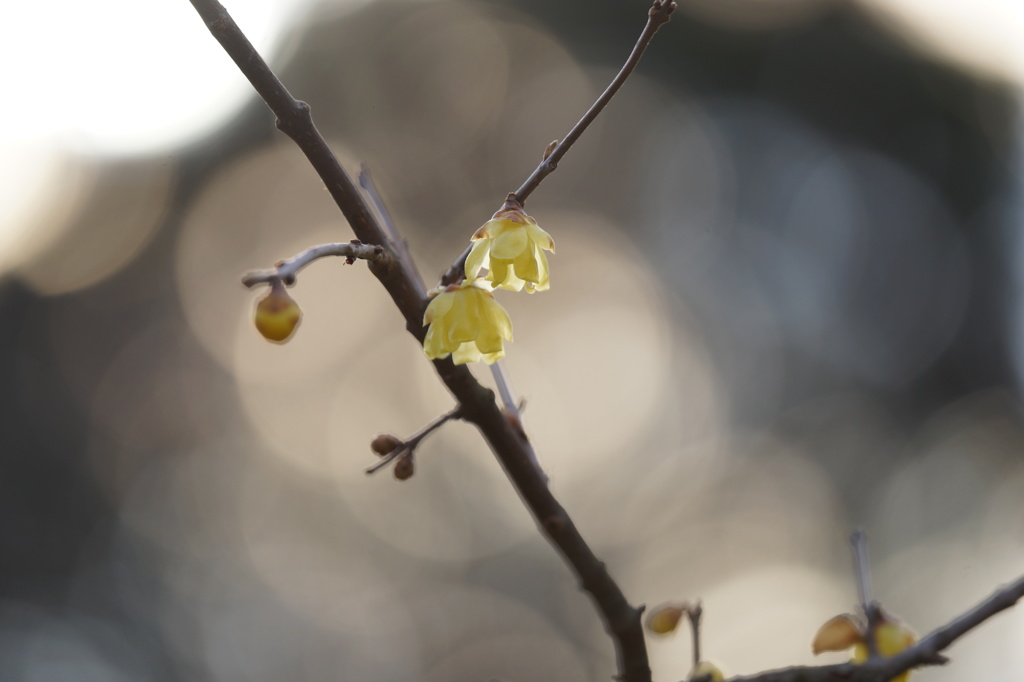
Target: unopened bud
x=664, y=619
x=838, y=634
x=277, y=315
x=404, y=467
x=708, y=670
x=385, y=443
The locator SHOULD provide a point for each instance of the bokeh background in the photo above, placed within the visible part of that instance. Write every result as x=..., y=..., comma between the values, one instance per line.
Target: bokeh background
x=786, y=302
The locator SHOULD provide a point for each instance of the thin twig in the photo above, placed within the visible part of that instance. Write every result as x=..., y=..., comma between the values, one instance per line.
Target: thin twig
x=659, y=15
x=399, y=245
x=288, y=269
x=862, y=568
x=414, y=440
x=622, y=621
x=694, y=613
x=926, y=652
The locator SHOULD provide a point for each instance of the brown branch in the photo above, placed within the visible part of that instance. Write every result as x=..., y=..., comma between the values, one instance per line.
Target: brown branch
x=621, y=620
x=288, y=269
x=659, y=14
x=926, y=652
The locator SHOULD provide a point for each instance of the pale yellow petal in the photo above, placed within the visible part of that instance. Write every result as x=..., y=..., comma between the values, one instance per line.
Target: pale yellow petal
x=484, y=231
x=510, y=243
x=528, y=265
x=490, y=341
x=432, y=345
x=540, y=237
x=467, y=352
x=463, y=322
x=438, y=307
x=499, y=320
x=491, y=358
x=501, y=275
x=478, y=258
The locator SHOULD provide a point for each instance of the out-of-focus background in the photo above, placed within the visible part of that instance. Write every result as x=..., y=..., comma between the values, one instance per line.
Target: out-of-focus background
x=786, y=302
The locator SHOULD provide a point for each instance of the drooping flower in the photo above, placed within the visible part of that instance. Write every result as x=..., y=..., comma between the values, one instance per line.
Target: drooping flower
x=845, y=631
x=466, y=322
x=277, y=315
x=511, y=246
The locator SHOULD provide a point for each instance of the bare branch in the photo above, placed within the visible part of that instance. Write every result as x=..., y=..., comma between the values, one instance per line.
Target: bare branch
x=295, y=120
x=288, y=269
x=397, y=243
x=621, y=619
x=659, y=14
x=926, y=652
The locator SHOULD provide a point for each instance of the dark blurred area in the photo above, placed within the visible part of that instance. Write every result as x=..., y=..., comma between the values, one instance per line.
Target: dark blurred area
x=785, y=303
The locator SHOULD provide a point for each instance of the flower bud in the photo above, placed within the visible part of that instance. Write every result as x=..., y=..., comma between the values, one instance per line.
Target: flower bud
x=709, y=670
x=404, y=467
x=838, y=634
x=385, y=443
x=664, y=619
x=277, y=315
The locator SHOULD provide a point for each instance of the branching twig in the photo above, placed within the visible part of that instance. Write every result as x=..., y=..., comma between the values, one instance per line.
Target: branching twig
x=926, y=652
x=621, y=619
x=414, y=440
x=657, y=16
x=397, y=243
x=286, y=270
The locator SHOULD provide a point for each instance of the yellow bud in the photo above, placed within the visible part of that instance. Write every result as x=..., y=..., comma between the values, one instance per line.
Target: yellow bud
x=705, y=669
x=838, y=634
x=277, y=315
x=664, y=619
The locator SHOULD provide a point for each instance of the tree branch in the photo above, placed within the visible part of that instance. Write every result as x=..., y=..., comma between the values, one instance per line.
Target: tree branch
x=621, y=620
x=659, y=14
x=926, y=652
x=288, y=269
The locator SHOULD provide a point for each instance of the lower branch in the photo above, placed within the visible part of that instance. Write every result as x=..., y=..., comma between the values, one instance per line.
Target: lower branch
x=926, y=652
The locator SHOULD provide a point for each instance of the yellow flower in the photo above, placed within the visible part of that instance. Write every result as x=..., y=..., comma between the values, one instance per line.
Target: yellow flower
x=466, y=322
x=891, y=637
x=511, y=246
x=845, y=631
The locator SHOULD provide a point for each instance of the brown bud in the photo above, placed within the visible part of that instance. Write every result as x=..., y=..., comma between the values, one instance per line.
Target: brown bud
x=404, y=467
x=385, y=443
x=550, y=148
